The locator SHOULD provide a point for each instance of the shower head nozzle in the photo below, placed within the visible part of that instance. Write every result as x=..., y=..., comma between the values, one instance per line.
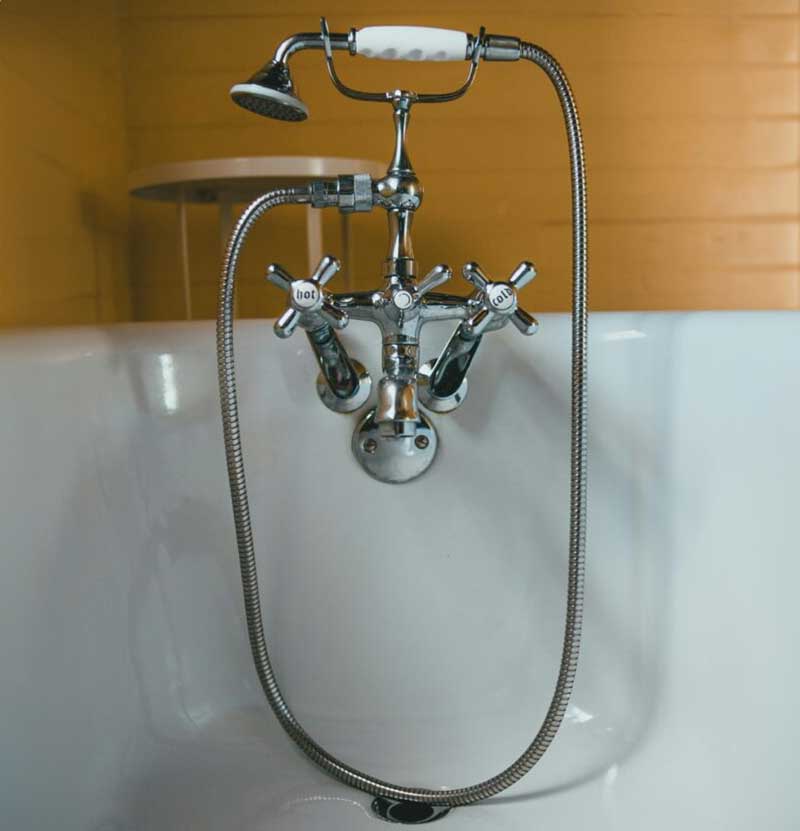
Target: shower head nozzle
x=270, y=92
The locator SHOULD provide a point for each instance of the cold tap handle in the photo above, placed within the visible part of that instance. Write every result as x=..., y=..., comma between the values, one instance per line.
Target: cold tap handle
x=443, y=382
x=473, y=273
x=497, y=302
x=522, y=275
x=527, y=324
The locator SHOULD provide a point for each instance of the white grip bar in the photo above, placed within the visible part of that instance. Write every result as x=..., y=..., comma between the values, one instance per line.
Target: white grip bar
x=411, y=43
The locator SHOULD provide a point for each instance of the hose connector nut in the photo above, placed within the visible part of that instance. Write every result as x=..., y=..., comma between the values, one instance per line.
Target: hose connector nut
x=501, y=48
x=355, y=193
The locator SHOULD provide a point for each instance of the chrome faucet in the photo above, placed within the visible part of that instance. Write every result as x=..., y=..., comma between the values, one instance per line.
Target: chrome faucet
x=395, y=441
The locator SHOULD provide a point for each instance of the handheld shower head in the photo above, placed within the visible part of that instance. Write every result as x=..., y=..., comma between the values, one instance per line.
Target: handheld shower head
x=270, y=92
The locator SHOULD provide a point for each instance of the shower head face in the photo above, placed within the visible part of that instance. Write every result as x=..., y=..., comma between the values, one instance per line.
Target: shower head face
x=269, y=102
x=271, y=93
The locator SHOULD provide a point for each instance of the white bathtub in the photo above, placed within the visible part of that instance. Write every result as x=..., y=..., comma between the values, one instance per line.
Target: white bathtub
x=415, y=629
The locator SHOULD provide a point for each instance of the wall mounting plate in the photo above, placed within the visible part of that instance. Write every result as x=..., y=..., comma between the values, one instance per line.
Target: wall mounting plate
x=394, y=459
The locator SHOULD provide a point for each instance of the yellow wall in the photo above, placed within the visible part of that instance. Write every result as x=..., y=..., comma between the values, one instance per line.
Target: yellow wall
x=63, y=164
x=692, y=124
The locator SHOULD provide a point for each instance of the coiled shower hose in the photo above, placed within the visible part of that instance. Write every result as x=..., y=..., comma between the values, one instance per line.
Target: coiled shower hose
x=577, y=530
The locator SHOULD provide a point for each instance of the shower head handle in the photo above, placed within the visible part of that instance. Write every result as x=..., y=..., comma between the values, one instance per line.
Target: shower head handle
x=424, y=43
x=406, y=43
x=411, y=43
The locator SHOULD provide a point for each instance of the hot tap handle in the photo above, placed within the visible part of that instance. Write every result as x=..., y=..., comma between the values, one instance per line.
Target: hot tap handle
x=326, y=268
x=308, y=305
x=498, y=302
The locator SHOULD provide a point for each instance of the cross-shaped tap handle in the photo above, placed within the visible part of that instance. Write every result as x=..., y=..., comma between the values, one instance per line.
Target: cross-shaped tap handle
x=309, y=305
x=405, y=298
x=497, y=302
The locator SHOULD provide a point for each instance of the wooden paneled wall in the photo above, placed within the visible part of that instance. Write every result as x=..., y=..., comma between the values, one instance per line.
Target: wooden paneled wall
x=63, y=164
x=691, y=111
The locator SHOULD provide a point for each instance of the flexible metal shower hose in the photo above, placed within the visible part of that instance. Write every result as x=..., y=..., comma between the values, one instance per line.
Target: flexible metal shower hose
x=577, y=530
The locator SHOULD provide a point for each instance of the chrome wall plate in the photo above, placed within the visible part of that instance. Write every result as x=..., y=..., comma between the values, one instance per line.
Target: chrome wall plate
x=394, y=459
x=346, y=405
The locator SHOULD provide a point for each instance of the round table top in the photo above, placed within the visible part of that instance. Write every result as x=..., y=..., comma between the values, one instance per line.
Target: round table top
x=239, y=179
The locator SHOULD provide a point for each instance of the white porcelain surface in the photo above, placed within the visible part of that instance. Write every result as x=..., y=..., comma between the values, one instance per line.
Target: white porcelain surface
x=416, y=628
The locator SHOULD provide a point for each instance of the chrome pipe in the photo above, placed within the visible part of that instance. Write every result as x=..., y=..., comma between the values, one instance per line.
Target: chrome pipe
x=450, y=369
x=334, y=362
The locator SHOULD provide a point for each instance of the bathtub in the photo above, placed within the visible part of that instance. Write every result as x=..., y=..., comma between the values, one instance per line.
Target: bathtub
x=415, y=629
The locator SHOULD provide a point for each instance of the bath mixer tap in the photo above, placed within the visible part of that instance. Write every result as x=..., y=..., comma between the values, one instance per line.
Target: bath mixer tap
x=395, y=440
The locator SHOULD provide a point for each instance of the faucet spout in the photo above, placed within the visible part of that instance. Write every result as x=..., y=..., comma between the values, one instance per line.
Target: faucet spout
x=397, y=414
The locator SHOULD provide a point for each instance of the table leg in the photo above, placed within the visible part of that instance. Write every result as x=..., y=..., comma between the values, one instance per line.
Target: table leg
x=183, y=236
x=347, y=252
x=313, y=236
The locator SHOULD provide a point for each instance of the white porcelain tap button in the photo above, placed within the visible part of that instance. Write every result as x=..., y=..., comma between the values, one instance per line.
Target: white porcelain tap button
x=403, y=300
x=305, y=294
